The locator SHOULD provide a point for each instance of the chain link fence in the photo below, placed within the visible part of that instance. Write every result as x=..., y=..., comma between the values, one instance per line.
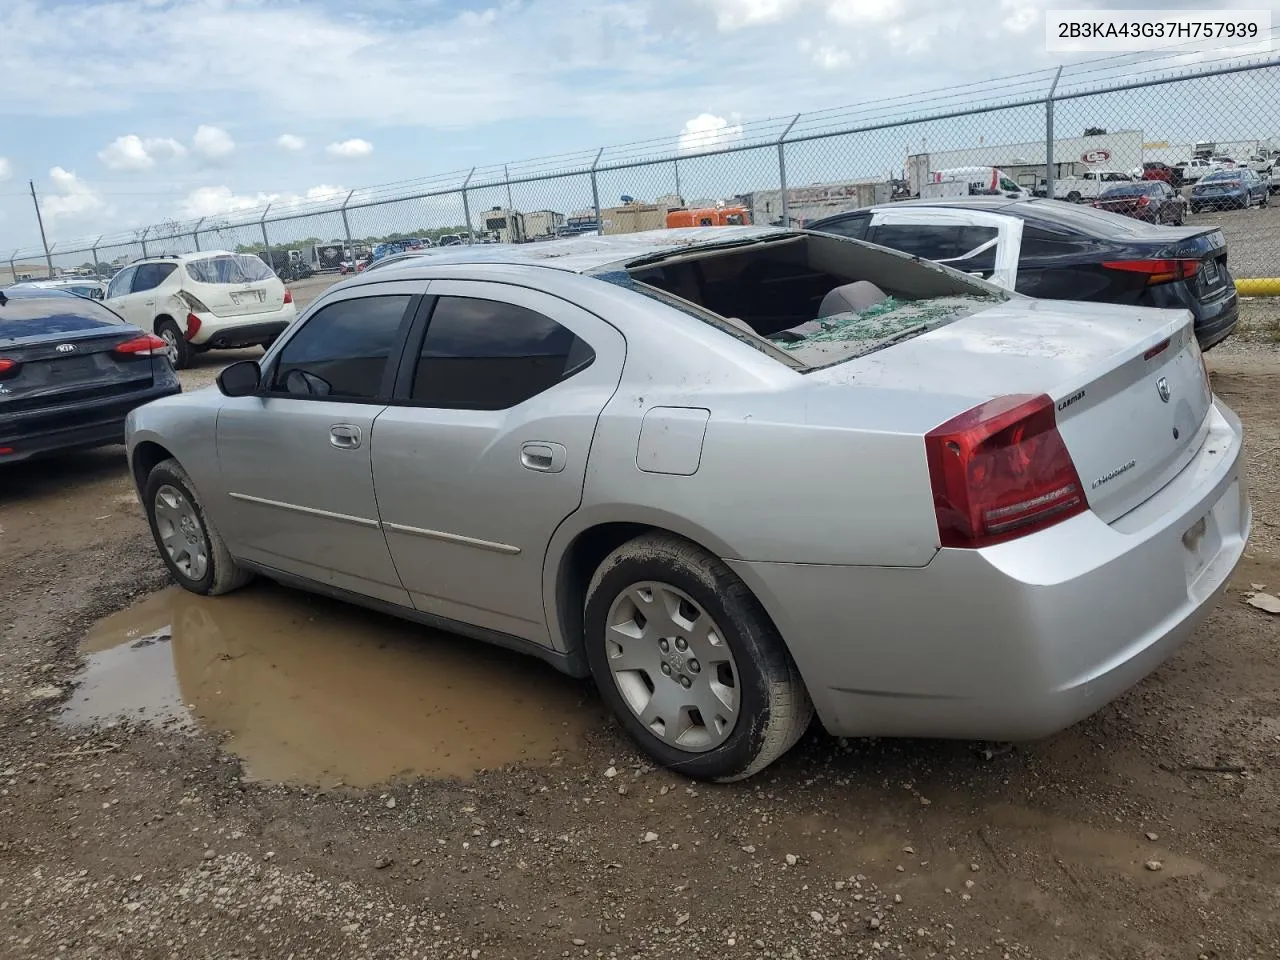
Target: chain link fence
x=1063, y=133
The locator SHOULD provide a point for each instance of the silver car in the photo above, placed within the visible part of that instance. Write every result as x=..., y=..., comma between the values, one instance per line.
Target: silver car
x=735, y=475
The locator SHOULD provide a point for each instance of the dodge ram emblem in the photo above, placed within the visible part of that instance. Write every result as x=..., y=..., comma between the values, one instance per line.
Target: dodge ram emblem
x=1162, y=388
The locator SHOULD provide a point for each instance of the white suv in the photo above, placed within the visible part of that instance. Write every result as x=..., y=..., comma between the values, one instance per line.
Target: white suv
x=212, y=300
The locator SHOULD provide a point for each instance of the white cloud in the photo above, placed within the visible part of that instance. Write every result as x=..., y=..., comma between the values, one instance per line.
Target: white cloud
x=6, y=168
x=825, y=55
x=864, y=11
x=736, y=14
x=221, y=200
x=70, y=198
x=132, y=152
x=290, y=141
x=353, y=149
x=708, y=132
x=212, y=143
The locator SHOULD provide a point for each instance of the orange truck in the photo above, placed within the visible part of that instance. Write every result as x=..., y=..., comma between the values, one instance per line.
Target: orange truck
x=709, y=217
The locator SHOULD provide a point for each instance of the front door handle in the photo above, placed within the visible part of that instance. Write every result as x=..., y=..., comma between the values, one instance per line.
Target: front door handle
x=543, y=456
x=344, y=436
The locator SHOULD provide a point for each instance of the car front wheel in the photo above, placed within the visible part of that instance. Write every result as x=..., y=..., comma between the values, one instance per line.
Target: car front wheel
x=690, y=662
x=189, y=544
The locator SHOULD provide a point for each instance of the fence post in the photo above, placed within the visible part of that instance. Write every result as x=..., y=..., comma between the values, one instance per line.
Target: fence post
x=195, y=234
x=144, y=240
x=49, y=257
x=97, y=267
x=1048, y=137
x=40, y=223
x=466, y=206
x=679, y=195
x=13, y=268
x=510, y=220
x=346, y=228
x=265, y=242
x=595, y=193
x=782, y=171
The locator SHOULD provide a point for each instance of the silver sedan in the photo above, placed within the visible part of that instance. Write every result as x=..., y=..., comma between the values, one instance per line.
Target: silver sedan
x=735, y=475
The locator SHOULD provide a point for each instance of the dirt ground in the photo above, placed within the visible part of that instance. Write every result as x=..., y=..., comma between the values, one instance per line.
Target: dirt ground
x=271, y=775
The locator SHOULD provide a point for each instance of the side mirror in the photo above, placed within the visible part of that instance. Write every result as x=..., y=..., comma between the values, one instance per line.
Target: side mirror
x=241, y=379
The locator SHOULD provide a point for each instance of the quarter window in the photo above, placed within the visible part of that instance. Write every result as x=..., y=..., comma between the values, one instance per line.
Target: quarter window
x=342, y=351
x=853, y=227
x=490, y=355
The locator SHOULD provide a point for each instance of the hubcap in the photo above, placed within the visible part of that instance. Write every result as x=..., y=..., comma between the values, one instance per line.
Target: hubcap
x=170, y=345
x=672, y=666
x=180, y=532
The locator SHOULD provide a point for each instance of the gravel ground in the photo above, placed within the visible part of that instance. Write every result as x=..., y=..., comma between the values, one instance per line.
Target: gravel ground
x=1147, y=832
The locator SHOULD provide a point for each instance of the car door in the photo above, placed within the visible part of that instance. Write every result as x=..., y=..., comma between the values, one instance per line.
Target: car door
x=118, y=291
x=141, y=302
x=977, y=242
x=483, y=452
x=295, y=459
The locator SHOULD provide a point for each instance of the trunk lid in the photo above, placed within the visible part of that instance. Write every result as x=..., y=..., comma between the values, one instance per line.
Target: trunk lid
x=1128, y=383
x=72, y=367
x=1122, y=205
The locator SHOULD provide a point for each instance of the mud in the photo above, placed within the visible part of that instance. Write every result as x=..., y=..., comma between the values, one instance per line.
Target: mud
x=309, y=691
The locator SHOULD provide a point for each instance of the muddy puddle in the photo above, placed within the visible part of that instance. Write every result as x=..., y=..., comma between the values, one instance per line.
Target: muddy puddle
x=313, y=691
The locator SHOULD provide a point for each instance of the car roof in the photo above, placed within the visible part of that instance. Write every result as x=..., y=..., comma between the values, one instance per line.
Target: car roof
x=27, y=291
x=184, y=257
x=582, y=254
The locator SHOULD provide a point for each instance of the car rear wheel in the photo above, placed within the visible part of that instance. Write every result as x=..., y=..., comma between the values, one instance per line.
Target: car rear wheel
x=689, y=661
x=189, y=544
x=176, y=346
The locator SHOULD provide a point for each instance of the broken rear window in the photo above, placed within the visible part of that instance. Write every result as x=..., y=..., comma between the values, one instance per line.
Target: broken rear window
x=809, y=300
x=240, y=268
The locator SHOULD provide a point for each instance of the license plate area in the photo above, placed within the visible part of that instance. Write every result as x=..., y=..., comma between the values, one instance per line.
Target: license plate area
x=1201, y=542
x=244, y=297
x=72, y=368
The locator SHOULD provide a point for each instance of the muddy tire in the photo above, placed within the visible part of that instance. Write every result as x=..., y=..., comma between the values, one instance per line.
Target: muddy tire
x=689, y=661
x=189, y=544
x=178, y=349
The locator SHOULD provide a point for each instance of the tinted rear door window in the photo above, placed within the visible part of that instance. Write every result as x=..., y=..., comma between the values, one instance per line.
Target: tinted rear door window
x=150, y=275
x=932, y=242
x=52, y=315
x=490, y=355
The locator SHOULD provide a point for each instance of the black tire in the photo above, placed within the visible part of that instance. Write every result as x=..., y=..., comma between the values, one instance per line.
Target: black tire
x=1264, y=201
x=179, y=349
x=1073, y=197
x=222, y=573
x=774, y=707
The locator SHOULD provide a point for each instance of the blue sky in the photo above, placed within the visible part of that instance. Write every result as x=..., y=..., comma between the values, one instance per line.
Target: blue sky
x=127, y=112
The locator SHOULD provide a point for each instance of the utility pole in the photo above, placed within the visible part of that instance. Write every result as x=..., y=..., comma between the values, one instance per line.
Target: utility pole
x=40, y=220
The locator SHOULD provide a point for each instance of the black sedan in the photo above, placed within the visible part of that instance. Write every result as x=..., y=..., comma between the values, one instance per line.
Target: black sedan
x=1151, y=200
x=70, y=372
x=1061, y=251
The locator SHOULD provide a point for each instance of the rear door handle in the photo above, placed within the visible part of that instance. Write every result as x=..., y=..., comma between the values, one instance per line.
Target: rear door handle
x=543, y=456
x=344, y=436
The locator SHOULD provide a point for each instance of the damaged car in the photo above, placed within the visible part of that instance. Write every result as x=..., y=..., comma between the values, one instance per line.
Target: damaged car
x=195, y=302
x=736, y=475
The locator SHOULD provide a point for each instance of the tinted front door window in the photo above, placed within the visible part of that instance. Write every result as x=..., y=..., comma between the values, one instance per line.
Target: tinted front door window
x=343, y=350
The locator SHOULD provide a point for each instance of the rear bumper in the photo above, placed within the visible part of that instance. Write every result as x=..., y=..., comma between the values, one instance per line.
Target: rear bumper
x=1021, y=640
x=93, y=424
x=221, y=333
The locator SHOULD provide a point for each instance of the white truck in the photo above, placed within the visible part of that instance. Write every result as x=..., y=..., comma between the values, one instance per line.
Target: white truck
x=1087, y=185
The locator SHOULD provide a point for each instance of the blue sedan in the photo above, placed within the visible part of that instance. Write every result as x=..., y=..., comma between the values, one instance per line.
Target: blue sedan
x=1225, y=189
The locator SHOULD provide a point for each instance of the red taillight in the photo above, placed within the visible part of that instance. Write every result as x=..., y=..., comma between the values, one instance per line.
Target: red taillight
x=146, y=345
x=5, y=451
x=6, y=365
x=1157, y=271
x=1143, y=201
x=288, y=295
x=193, y=325
x=1158, y=349
x=1001, y=471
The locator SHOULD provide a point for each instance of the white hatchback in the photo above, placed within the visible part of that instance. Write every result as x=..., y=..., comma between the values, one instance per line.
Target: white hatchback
x=211, y=300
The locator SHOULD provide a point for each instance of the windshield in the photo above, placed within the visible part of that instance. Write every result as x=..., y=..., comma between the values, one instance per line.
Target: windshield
x=233, y=268
x=1130, y=190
